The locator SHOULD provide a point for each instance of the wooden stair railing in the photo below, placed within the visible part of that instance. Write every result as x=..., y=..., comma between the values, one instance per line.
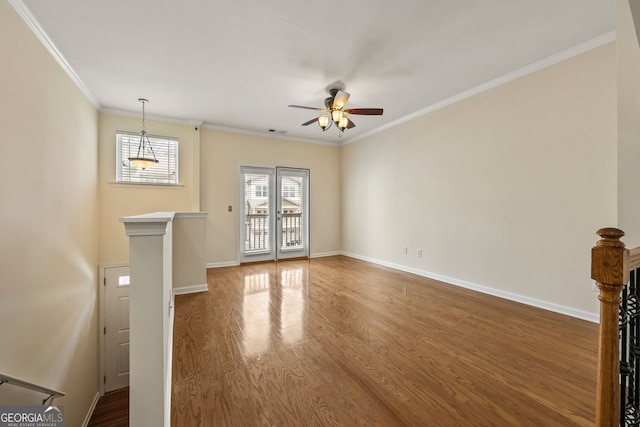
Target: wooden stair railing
x=611, y=264
x=609, y=260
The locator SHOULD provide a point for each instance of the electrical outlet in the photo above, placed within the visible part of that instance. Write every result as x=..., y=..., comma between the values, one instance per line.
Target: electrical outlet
x=230, y=208
x=420, y=253
x=404, y=250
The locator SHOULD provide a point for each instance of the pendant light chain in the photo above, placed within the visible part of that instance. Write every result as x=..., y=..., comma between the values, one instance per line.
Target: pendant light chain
x=144, y=129
x=139, y=161
x=144, y=101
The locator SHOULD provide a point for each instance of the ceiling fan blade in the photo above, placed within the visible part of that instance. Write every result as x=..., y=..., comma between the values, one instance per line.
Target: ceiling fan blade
x=340, y=100
x=350, y=124
x=307, y=108
x=365, y=111
x=310, y=121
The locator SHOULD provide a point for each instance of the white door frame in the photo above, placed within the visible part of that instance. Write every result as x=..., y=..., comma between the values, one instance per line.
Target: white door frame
x=102, y=323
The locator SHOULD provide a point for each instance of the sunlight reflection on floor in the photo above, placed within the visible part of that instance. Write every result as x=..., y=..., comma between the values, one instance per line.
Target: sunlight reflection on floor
x=274, y=308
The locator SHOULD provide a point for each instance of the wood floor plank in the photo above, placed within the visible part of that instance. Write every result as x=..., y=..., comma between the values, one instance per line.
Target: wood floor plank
x=337, y=341
x=112, y=410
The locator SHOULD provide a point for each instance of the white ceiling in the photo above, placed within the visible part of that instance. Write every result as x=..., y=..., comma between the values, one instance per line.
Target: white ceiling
x=237, y=64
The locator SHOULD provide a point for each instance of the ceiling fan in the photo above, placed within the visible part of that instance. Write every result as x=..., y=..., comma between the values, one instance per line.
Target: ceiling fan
x=334, y=112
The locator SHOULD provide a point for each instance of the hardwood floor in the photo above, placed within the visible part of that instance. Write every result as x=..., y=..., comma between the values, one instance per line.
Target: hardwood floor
x=112, y=410
x=337, y=341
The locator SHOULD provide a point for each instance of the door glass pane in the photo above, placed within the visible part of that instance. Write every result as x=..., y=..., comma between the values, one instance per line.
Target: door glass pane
x=291, y=188
x=256, y=222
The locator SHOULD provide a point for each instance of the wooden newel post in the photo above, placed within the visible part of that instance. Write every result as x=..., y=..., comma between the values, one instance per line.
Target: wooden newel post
x=609, y=268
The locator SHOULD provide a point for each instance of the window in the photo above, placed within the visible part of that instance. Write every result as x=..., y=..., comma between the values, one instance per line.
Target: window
x=288, y=191
x=166, y=151
x=261, y=191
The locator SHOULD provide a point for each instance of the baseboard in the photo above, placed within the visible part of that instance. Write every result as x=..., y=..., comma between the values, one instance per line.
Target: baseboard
x=556, y=308
x=325, y=254
x=85, y=423
x=192, y=289
x=237, y=263
x=223, y=264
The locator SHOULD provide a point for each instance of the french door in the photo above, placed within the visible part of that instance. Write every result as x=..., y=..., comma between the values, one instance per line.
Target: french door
x=274, y=213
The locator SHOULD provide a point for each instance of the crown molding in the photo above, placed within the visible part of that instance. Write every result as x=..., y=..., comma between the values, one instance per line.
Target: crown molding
x=532, y=68
x=205, y=125
x=34, y=25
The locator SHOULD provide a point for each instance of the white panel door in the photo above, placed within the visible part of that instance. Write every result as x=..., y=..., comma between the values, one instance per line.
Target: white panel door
x=116, y=331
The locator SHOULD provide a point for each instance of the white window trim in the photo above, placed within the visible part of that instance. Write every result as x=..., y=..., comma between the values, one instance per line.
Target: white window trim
x=123, y=183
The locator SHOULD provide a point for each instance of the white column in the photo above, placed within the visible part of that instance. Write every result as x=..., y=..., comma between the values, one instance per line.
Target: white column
x=150, y=259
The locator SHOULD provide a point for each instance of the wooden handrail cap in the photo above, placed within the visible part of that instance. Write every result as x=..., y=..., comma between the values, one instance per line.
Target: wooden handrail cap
x=610, y=236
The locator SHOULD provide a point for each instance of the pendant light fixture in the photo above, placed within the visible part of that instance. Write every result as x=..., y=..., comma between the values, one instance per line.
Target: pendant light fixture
x=143, y=160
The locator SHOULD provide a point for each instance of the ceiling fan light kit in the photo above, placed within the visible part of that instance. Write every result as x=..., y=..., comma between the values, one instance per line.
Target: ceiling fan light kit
x=343, y=123
x=336, y=115
x=323, y=121
x=334, y=112
x=142, y=160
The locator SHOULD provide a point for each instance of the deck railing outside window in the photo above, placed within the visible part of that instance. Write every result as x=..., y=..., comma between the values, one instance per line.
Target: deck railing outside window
x=257, y=231
x=291, y=229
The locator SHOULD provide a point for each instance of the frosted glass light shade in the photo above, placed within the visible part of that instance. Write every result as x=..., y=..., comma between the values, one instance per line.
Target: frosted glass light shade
x=323, y=121
x=344, y=122
x=142, y=162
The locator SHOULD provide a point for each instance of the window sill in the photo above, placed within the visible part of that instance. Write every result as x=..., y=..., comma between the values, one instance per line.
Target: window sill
x=145, y=185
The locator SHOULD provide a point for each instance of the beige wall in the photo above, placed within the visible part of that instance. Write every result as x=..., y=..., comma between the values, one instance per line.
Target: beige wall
x=505, y=189
x=221, y=155
x=628, y=125
x=119, y=200
x=48, y=225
